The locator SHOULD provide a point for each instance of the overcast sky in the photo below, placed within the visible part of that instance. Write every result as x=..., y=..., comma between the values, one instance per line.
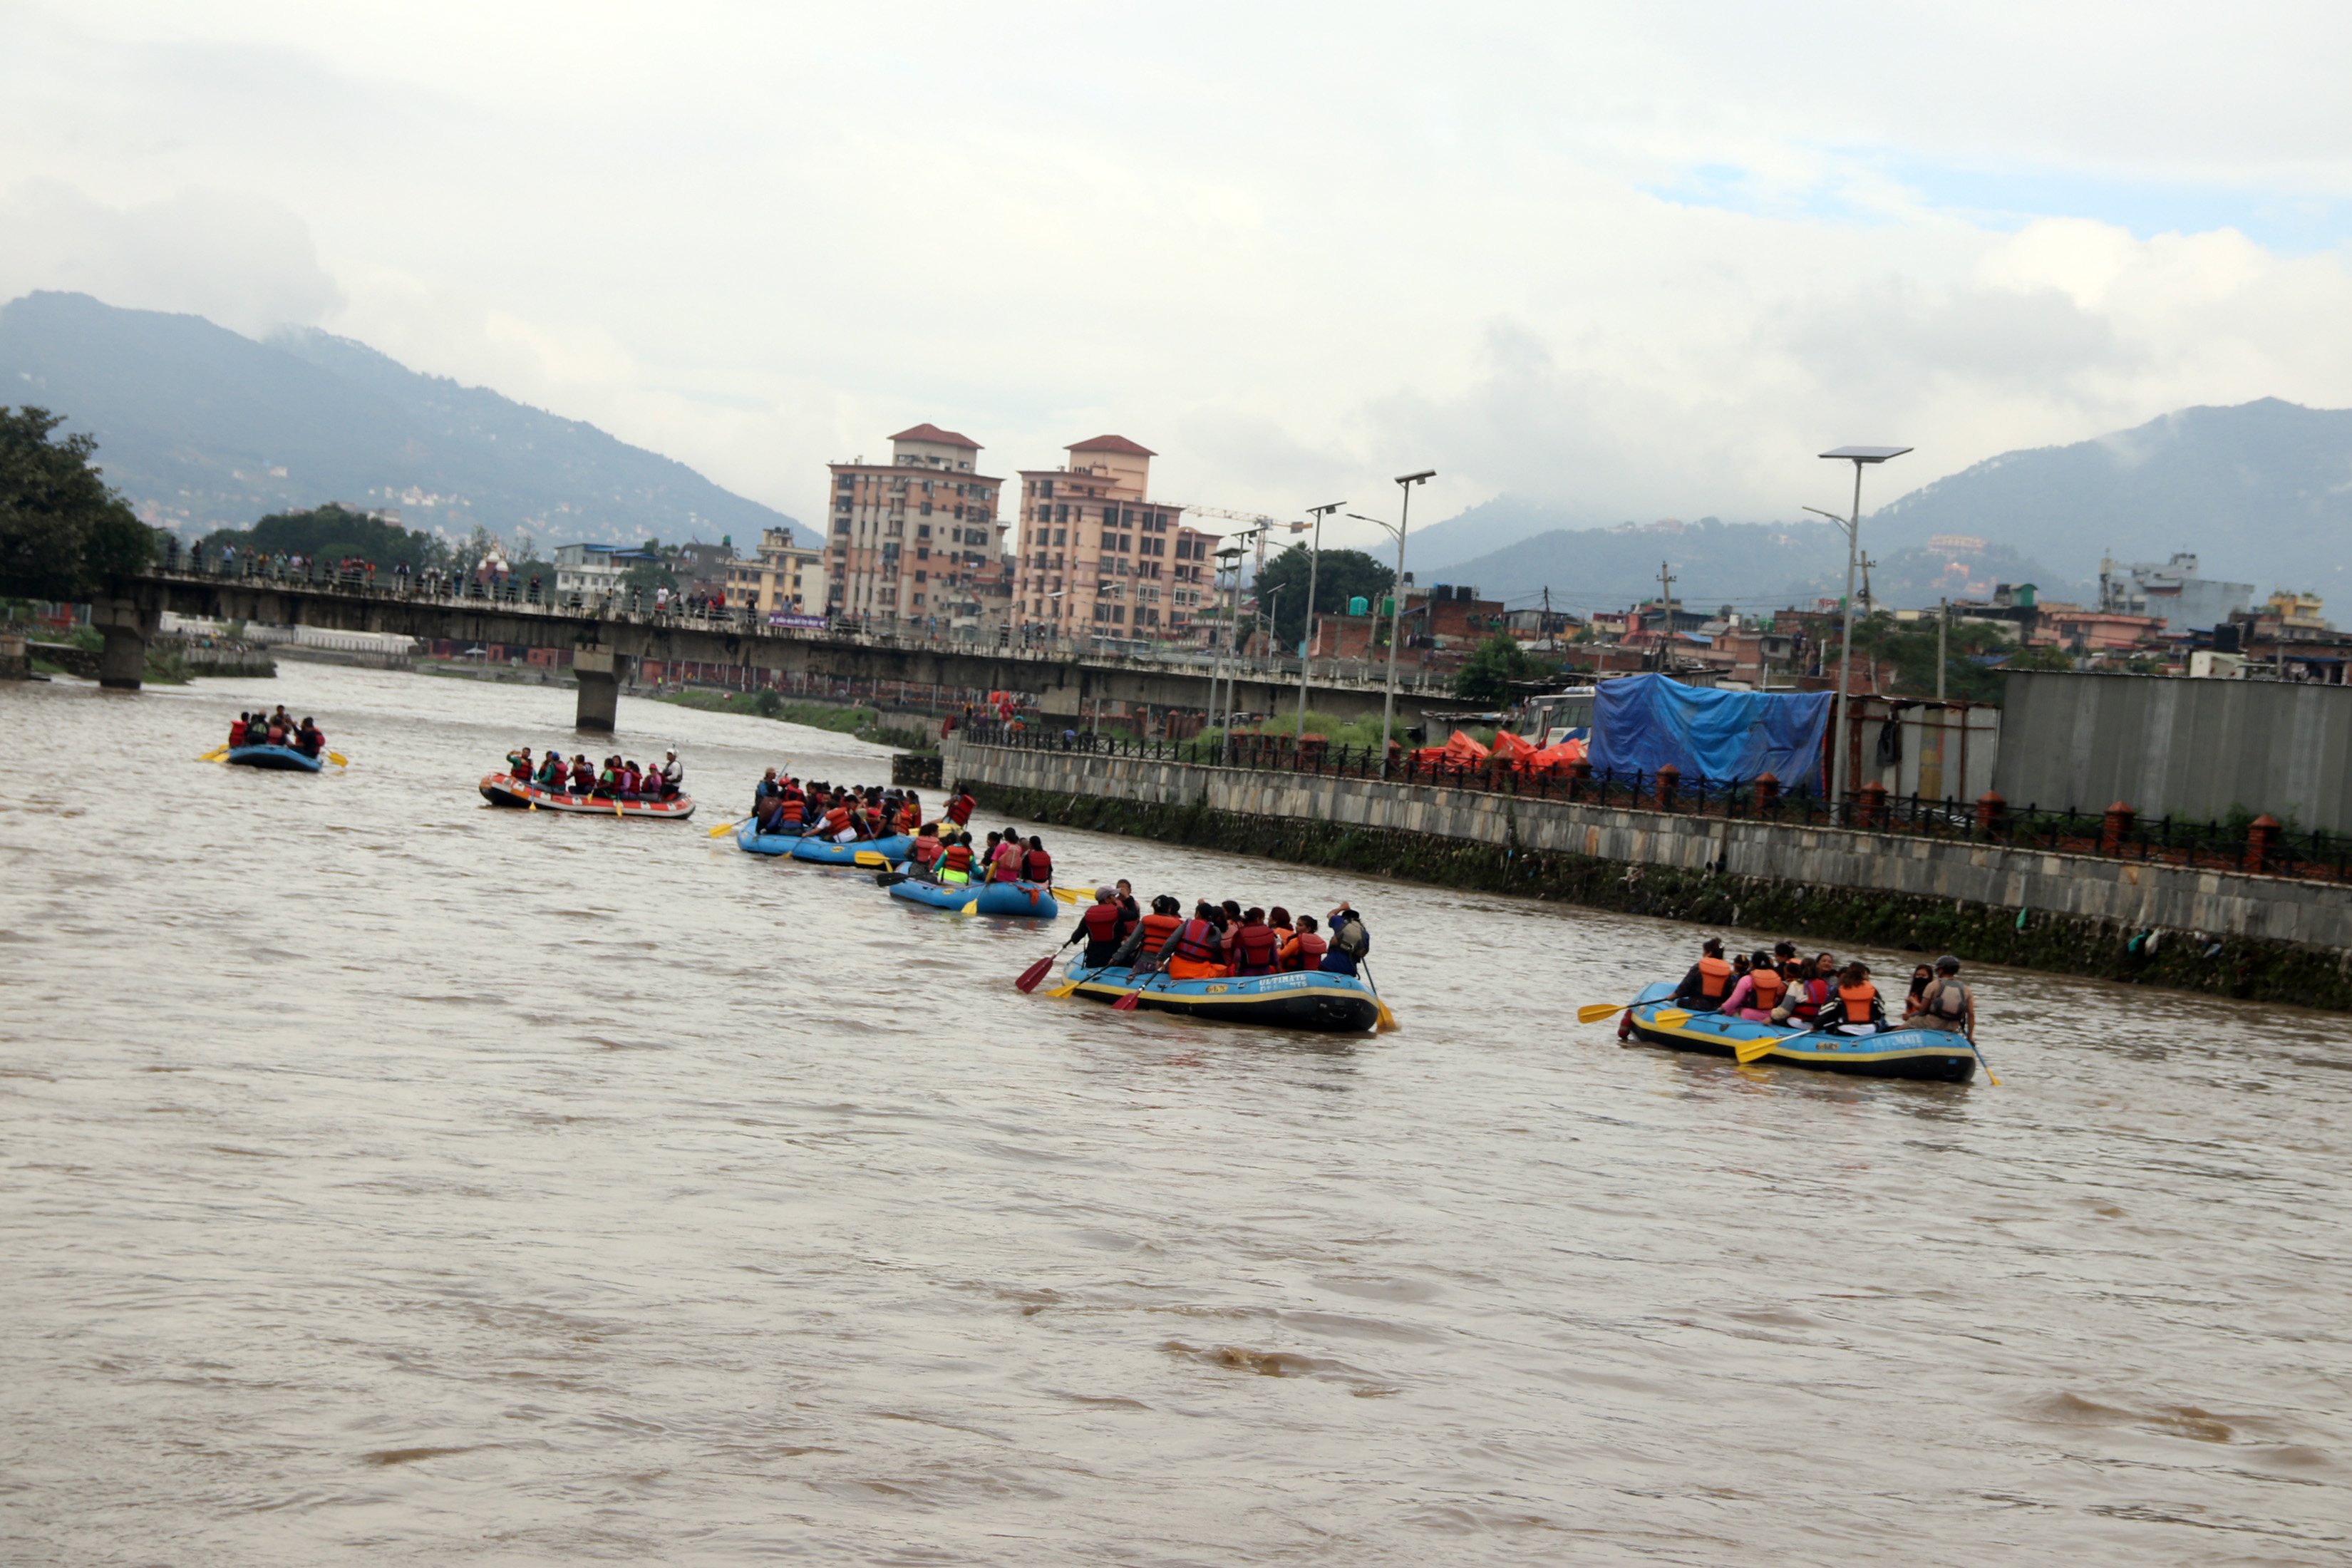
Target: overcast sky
x=1638, y=260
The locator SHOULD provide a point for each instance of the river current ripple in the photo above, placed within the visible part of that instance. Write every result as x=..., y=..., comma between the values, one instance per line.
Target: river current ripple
x=387, y=1178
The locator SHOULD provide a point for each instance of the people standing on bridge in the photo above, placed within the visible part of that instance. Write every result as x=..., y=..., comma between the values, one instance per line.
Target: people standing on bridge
x=1947, y=1003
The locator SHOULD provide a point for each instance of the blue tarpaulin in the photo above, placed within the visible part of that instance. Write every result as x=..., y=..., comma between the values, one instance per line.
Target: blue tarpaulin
x=1643, y=722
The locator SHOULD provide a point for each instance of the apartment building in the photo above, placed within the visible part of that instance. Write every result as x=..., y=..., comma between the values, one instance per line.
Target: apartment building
x=785, y=578
x=1100, y=558
x=916, y=538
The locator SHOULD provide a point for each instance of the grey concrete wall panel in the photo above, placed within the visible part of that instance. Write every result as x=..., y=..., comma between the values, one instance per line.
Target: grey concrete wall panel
x=2191, y=749
x=2130, y=893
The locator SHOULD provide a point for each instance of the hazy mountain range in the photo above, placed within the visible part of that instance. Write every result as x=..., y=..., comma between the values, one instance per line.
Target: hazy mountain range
x=200, y=428
x=2261, y=493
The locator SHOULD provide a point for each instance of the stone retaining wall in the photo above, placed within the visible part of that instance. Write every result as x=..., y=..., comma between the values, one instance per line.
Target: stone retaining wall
x=2248, y=936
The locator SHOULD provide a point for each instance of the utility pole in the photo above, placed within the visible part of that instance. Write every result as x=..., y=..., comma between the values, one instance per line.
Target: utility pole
x=1943, y=625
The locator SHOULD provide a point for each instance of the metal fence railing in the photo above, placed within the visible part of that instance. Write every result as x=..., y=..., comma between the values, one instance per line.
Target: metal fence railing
x=2260, y=846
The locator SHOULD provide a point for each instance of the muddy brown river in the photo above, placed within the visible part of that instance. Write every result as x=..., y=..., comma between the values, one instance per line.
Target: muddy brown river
x=388, y=1179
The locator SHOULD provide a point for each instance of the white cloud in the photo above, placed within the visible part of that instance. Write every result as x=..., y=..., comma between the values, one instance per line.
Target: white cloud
x=1640, y=260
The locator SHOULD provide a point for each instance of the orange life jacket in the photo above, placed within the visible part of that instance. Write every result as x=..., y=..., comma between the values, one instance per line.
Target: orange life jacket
x=1255, y=947
x=1769, y=987
x=1856, y=1000
x=1714, y=979
x=1156, y=932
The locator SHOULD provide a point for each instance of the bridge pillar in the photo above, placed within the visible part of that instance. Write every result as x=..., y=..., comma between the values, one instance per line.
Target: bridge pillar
x=598, y=670
x=123, y=662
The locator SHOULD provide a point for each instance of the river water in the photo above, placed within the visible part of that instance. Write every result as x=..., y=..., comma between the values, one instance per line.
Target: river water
x=387, y=1178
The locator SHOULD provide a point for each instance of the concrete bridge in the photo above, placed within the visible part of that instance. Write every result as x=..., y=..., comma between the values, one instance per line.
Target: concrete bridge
x=606, y=643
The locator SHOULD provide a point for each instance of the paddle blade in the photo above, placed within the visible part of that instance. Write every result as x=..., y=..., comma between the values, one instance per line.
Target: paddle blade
x=1127, y=1003
x=1600, y=1010
x=1031, y=976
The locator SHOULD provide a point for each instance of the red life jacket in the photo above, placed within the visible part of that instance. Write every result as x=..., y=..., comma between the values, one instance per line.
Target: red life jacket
x=1714, y=979
x=1038, y=867
x=1101, y=921
x=1196, y=943
x=1255, y=947
x=958, y=858
x=1304, y=950
x=1156, y=932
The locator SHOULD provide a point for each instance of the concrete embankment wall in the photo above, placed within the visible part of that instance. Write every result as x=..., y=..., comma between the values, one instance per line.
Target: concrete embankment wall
x=2247, y=936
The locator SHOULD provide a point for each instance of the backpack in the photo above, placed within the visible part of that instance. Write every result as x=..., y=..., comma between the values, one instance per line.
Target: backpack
x=1352, y=939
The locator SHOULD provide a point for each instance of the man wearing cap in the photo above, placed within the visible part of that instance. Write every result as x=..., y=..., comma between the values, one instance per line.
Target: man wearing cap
x=1947, y=1003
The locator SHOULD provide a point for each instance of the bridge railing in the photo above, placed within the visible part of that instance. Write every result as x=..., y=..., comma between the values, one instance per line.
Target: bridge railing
x=2262, y=847
x=638, y=609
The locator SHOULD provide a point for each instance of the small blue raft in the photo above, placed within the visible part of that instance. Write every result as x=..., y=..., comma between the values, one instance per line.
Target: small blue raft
x=825, y=852
x=1309, y=999
x=1935, y=1055
x=283, y=759
x=933, y=895
x=1033, y=900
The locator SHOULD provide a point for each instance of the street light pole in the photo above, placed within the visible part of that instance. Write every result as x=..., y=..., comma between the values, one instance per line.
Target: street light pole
x=1859, y=457
x=1405, y=482
x=1314, y=564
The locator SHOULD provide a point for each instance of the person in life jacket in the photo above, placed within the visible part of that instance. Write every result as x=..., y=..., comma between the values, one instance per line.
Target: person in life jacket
x=237, y=730
x=1305, y=948
x=1758, y=992
x=955, y=860
x=1947, y=1003
x=1098, y=927
x=1856, y=1009
x=925, y=852
x=1706, y=985
x=961, y=808
x=1193, y=947
x=1145, y=943
x=1349, y=942
x=1036, y=866
x=1255, y=947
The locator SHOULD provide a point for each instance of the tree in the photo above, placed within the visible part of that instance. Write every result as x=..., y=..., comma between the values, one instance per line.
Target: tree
x=64, y=534
x=1342, y=575
x=1485, y=678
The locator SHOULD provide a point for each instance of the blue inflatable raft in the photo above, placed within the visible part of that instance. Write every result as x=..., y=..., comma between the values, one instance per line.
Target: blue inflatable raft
x=284, y=758
x=1934, y=1055
x=825, y=852
x=1033, y=900
x=1310, y=999
x=752, y=841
